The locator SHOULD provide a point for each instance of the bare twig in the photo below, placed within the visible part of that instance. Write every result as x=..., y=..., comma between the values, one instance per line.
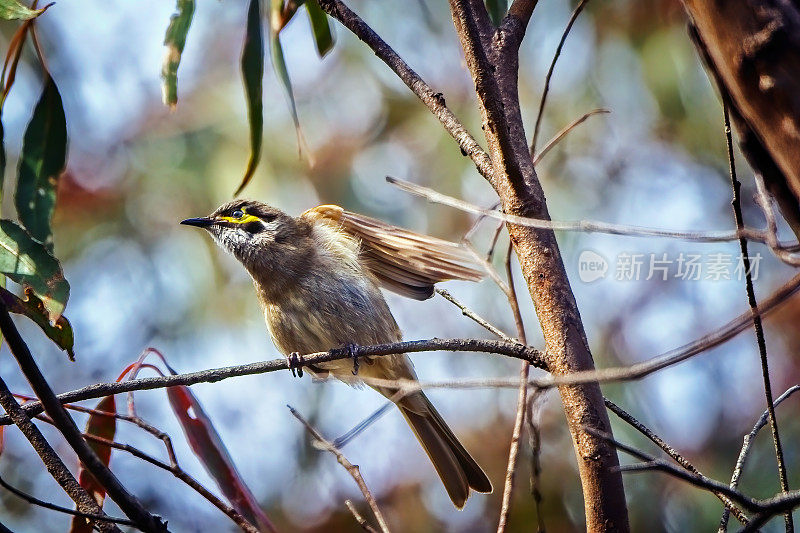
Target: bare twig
x=680, y=459
x=510, y=349
x=586, y=226
x=575, y=14
x=53, y=507
x=360, y=519
x=757, y=325
x=352, y=469
x=433, y=100
x=469, y=313
x=522, y=401
x=561, y=134
x=129, y=504
x=55, y=466
x=746, y=446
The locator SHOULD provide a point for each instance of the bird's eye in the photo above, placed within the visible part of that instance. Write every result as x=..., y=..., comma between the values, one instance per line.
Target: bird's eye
x=237, y=214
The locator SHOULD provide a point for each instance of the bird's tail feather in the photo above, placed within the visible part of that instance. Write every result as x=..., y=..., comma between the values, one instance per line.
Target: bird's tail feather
x=456, y=467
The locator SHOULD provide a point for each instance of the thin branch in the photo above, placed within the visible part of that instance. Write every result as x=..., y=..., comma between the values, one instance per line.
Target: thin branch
x=522, y=401
x=758, y=326
x=360, y=519
x=352, y=469
x=747, y=445
x=55, y=466
x=129, y=504
x=563, y=133
x=469, y=313
x=53, y=507
x=638, y=370
x=587, y=226
x=510, y=349
x=575, y=14
x=680, y=459
x=433, y=100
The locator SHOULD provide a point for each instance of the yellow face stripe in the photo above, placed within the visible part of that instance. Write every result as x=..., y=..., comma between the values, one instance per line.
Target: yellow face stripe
x=244, y=220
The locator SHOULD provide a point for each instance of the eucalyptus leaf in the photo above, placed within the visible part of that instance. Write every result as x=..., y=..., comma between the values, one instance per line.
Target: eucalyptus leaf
x=174, y=41
x=497, y=10
x=43, y=157
x=320, y=27
x=33, y=308
x=13, y=10
x=253, y=75
x=30, y=264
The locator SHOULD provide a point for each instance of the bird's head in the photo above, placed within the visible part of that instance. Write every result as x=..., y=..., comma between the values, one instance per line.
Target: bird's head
x=261, y=237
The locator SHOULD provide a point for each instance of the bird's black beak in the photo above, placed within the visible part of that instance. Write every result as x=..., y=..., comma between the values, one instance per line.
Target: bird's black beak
x=202, y=222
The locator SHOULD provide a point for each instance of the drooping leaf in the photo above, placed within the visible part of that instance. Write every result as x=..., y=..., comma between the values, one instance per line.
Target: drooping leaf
x=497, y=10
x=30, y=264
x=320, y=28
x=207, y=445
x=13, y=10
x=278, y=19
x=33, y=308
x=253, y=74
x=174, y=41
x=44, y=155
x=105, y=427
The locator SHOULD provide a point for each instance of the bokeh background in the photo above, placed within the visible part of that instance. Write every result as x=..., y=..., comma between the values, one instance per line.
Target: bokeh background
x=139, y=279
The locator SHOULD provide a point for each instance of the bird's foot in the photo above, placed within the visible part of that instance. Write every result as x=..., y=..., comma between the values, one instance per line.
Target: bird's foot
x=352, y=351
x=296, y=364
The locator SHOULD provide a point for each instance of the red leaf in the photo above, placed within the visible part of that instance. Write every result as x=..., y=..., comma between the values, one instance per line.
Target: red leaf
x=207, y=445
x=105, y=427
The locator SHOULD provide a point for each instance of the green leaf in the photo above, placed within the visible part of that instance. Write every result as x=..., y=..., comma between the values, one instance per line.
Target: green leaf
x=13, y=10
x=320, y=28
x=253, y=74
x=497, y=10
x=44, y=155
x=30, y=264
x=33, y=308
x=175, y=40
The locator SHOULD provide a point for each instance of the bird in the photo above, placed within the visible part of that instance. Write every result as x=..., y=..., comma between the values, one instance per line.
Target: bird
x=318, y=278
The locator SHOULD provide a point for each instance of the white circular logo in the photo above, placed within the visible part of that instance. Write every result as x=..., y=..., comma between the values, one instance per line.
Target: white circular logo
x=591, y=266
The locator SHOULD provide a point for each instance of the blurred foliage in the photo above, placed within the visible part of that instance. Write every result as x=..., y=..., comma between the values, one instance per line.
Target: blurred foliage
x=135, y=169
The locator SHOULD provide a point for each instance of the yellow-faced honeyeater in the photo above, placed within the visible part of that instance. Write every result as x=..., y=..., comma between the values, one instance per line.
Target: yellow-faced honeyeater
x=318, y=278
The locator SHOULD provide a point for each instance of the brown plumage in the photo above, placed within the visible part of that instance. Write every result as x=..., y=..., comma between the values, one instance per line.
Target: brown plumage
x=317, y=277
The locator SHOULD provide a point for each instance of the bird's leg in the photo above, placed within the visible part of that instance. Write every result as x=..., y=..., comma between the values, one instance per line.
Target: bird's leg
x=296, y=364
x=352, y=351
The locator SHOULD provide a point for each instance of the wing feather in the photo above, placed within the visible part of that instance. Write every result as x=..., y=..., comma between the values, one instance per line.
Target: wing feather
x=403, y=261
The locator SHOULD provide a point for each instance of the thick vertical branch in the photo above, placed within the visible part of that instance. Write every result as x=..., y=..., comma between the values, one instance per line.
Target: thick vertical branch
x=495, y=74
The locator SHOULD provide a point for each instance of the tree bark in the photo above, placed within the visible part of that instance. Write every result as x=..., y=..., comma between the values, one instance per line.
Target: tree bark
x=492, y=58
x=752, y=48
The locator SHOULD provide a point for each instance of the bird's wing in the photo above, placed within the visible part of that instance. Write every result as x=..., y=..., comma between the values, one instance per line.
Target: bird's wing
x=403, y=261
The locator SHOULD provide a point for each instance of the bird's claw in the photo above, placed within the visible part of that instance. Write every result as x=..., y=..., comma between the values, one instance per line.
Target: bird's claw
x=296, y=364
x=352, y=351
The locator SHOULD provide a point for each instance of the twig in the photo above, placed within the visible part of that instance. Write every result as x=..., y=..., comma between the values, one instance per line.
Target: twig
x=587, y=226
x=745, y=451
x=98, y=390
x=518, y=351
x=469, y=313
x=360, y=519
x=575, y=14
x=129, y=504
x=757, y=325
x=352, y=469
x=53, y=507
x=433, y=100
x=681, y=460
x=568, y=128
x=55, y=466
x=522, y=395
